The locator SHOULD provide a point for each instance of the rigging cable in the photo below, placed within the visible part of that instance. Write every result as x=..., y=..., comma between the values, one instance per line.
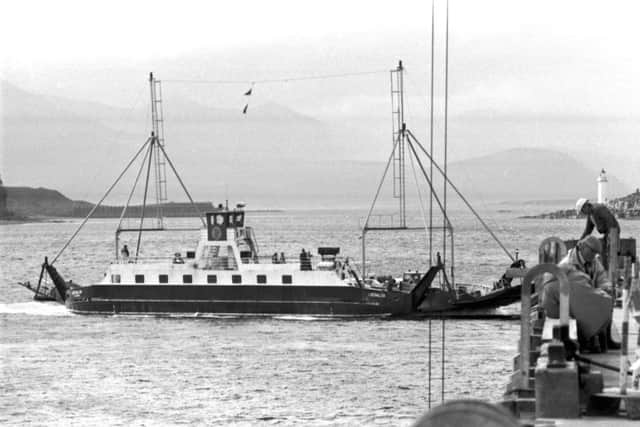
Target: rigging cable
x=195, y=207
x=133, y=189
x=486, y=227
x=431, y=144
x=446, y=111
x=279, y=80
x=384, y=174
x=154, y=141
x=444, y=237
x=100, y=202
x=424, y=172
x=424, y=217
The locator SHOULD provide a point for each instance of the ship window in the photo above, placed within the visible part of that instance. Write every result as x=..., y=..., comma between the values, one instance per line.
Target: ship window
x=236, y=278
x=287, y=279
x=115, y=278
x=139, y=278
x=187, y=278
x=261, y=278
x=163, y=278
x=212, y=278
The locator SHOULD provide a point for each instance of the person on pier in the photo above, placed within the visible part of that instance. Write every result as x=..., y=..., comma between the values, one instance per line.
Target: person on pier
x=590, y=302
x=600, y=217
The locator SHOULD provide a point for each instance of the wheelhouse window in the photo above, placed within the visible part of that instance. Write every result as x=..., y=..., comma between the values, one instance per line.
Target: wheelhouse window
x=212, y=278
x=187, y=278
x=236, y=278
x=287, y=279
x=163, y=278
x=261, y=279
x=139, y=278
x=115, y=278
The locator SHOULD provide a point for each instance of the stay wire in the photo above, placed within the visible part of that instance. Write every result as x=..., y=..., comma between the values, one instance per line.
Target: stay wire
x=278, y=80
x=418, y=190
x=100, y=202
x=133, y=189
x=486, y=227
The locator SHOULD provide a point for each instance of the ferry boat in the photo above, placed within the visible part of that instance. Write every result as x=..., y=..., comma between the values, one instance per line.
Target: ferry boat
x=225, y=275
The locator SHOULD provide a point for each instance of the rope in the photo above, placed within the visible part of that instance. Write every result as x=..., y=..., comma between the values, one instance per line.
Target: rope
x=279, y=80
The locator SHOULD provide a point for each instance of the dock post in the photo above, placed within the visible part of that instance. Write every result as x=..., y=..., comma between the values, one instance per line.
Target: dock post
x=557, y=384
x=624, y=350
x=613, y=244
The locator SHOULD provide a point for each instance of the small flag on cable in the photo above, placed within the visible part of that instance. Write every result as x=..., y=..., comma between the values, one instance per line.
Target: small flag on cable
x=247, y=93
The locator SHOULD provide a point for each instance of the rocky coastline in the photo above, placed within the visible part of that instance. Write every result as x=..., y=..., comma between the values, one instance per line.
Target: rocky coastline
x=626, y=207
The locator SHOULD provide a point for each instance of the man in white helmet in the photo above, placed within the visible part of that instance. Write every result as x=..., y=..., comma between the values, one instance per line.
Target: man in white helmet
x=601, y=218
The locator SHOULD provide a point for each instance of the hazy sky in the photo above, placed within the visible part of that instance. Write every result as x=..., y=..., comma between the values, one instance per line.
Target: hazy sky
x=518, y=69
x=503, y=53
x=40, y=32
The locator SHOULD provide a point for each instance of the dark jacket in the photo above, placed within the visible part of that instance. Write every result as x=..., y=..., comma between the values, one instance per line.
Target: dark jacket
x=601, y=218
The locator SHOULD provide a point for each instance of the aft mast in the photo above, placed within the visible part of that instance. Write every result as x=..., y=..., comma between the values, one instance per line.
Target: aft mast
x=157, y=134
x=155, y=154
x=399, y=135
x=403, y=149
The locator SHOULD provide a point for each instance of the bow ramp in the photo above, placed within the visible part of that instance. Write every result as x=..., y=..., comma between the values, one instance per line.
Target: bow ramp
x=418, y=293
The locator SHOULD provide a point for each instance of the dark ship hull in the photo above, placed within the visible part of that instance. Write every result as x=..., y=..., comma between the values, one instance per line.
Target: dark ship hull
x=339, y=301
x=257, y=300
x=438, y=301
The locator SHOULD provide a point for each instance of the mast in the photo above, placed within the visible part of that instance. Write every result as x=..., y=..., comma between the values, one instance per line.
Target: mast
x=157, y=135
x=399, y=134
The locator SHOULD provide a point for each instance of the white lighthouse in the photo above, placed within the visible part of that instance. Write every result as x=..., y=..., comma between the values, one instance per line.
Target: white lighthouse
x=602, y=187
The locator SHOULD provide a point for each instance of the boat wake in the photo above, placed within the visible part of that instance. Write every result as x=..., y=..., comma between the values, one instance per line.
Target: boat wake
x=300, y=317
x=35, y=308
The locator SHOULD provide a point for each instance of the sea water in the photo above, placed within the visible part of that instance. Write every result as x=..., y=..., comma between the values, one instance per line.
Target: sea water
x=64, y=369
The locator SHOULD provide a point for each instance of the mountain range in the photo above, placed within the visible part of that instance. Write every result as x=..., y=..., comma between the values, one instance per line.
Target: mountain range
x=272, y=156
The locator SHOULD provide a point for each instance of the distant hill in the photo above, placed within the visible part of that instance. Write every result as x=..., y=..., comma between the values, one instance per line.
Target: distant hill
x=271, y=157
x=527, y=173
x=62, y=142
x=43, y=202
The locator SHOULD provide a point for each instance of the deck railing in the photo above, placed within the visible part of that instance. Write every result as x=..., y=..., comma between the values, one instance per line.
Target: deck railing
x=525, y=313
x=550, y=252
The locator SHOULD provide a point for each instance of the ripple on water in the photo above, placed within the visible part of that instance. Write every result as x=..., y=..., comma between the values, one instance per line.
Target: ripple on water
x=63, y=369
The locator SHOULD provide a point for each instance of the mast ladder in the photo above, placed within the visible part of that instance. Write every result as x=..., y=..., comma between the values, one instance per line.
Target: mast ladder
x=398, y=133
x=157, y=123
